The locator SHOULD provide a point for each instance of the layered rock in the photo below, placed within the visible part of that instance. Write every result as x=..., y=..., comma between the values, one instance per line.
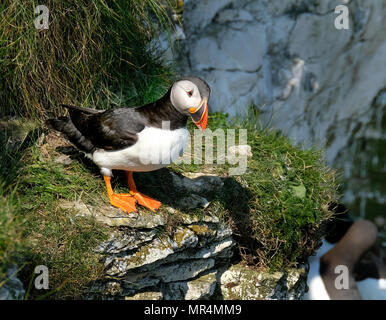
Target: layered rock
x=144, y=261
x=182, y=266
x=240, y=282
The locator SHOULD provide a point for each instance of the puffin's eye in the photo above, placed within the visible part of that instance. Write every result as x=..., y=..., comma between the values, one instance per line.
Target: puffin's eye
x=189, y=93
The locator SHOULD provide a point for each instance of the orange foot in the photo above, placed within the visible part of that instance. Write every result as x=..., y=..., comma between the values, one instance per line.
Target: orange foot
x=146, y=201
x=126, y=202
x=142, y=199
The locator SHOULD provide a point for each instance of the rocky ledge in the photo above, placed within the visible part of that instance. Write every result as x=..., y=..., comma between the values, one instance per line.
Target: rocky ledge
x=143, y=261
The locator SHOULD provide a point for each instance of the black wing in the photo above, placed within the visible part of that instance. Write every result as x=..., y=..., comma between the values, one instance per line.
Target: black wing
x=110, y=130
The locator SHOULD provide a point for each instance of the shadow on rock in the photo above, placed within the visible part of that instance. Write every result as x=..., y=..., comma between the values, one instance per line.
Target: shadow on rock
x=190, y=192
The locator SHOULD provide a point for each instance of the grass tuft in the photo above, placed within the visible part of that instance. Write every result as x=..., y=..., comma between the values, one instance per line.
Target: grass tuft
x=278, y=208
x=55, y=237
x=95, y=53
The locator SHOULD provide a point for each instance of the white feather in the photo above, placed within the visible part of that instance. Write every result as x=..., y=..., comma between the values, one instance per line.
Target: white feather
x=155, y=148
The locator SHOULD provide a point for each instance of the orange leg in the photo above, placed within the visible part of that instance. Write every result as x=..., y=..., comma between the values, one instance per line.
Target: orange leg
x=126, y=202
x=142, y=199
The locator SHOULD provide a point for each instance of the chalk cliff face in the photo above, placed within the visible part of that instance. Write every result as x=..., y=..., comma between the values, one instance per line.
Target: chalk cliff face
x=319, y=85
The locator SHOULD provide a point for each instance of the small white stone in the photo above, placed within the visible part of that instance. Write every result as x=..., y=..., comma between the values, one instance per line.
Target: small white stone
x=242, y=150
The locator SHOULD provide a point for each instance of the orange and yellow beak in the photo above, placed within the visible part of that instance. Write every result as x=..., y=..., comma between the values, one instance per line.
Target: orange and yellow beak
x=200, y=114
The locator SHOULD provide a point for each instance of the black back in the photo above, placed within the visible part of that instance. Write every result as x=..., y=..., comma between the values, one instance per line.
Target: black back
x=116, y=129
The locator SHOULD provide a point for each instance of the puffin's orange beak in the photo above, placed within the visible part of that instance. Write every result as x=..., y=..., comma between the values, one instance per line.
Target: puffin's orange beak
x=200, y=114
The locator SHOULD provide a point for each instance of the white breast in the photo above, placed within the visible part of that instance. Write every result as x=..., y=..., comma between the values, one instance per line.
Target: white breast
x=155, y=149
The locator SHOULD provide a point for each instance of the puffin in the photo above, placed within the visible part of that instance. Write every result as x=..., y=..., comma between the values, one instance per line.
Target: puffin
x=351, y=244
x=137, y=139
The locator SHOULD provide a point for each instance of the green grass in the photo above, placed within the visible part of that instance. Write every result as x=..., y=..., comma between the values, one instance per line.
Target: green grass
x=52, y=236
x=14, y=138
x=279, y=207
x=33, y=229
x=95, y=53
x=10, y=234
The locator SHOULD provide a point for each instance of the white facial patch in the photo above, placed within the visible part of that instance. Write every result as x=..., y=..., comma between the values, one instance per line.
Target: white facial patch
x=185, y=95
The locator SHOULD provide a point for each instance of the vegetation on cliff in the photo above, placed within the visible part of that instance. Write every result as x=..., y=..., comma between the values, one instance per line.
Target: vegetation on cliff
x=92, y=52
x=98, y=55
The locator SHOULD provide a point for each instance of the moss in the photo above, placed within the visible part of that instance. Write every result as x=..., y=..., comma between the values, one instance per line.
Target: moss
x=139, y=257
x=251, y=284
x=201, y=230
x=181, y=235
x=11, y=238
x=15, y=137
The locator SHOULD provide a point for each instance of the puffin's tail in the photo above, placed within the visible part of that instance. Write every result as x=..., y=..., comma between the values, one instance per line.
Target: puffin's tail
x=66, y=126
x=81, y=109
x=57, y=124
